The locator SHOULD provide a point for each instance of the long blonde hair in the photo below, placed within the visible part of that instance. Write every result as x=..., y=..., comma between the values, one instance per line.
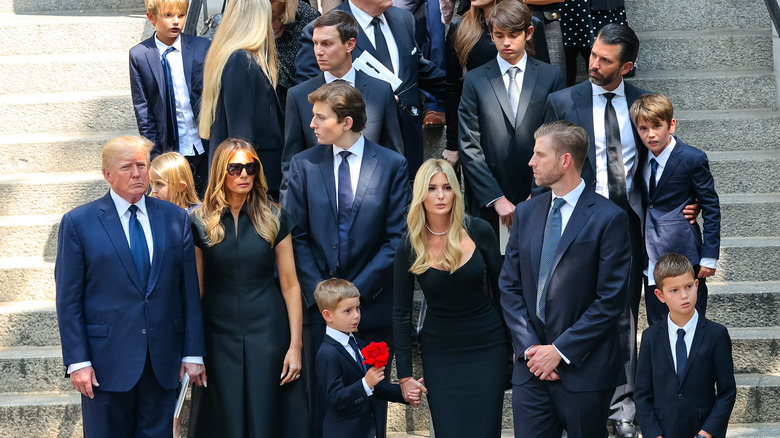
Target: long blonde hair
x=174, y=169
x=246, y=25
x=263, y=212
x=416, y=219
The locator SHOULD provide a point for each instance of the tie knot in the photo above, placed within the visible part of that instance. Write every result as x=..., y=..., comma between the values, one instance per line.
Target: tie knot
x=133, y=210
x=654, y=166
x=167, y=51
x=680, y=333
x=609, y=96
x=344, y=155
x=512, y=72
x=376, y=22
x=558, y=203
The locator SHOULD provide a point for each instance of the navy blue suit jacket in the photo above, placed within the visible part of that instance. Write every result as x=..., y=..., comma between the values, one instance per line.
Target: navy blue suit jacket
x=586, y=291
x=147, y=85
x=351, y=413
x=377, y=224
x=685, y=179
x=664, y=405
x=105, y=316
x=382, y=125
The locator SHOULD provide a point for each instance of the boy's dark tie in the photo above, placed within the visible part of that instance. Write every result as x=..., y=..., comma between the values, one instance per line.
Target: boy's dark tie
x=682, y=353
x=345, y=209
x=170, y=100
x=383, y=53
x=552, y=236
x=653, y=169
x=616, y=168
x=138, y=246
x=358, y=357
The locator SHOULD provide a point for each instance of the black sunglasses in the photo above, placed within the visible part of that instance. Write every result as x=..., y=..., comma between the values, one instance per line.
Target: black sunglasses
x=234, y=169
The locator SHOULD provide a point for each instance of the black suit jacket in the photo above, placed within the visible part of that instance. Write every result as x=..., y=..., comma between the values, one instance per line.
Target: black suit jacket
x=351, y=413
x=495, y=144
x=377, y=224
x=148, y=88
x=381, y=116
x=585, y=295
x=665, y=406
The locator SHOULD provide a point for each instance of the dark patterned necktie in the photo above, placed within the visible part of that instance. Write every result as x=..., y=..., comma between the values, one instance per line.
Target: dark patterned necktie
x=552, y=236
x=616, y=168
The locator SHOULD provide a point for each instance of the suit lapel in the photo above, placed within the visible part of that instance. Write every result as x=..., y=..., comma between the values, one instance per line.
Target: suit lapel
x=362, y=86
x=536, y=231
x=155, y=65
x=579, y=217
x=186, y=59
x=671, y=164
x=493, y=76
x=157, y=223
x=367, y=167
x=110, y=220
x=343, y=351
x=403, y=40
x=698, y=339
x=666, y=346
x=326, y=169
x=529, y=81
x=583, y=101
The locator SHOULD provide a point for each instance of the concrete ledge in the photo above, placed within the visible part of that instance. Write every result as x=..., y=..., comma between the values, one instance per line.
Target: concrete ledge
x=33, y=369
x=45, y=153
x=50, y=193
x=740, y=172
x=26, y=279
x=744, y=304
x=71, y=72
x=758, y=399
x=40, y=415
x=696, y=14
x=30, y=323
x=748, y=129
x=756, y=349
x=29, y=236
x=748, y=259
x=750, y=215
x=34, y=6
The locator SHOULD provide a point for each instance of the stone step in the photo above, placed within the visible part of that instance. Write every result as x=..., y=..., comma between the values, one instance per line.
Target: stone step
x=749, y=214
x=738, y=430
x=745, y=172
x=29, y=235
x=75, y=33
x=712, y=89
x=67, y=72
x=68, y=6
x=758, y=399
x=705, y=49
x=748, y=259
x=33, y=369
x=756, y=349
x=26, y=279
x=41, y=153
x=670, y=15
x=28, y=323
x=738, y=304
x=67, y=112
x=727, y=130
x=52, y=193
x=42, y=415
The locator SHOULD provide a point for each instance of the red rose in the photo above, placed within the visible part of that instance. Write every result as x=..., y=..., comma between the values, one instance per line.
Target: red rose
x=376, y=354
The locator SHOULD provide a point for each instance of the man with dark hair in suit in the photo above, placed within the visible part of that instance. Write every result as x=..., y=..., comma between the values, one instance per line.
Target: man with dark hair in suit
x=387, y=33
x=128, y=305
x=562, y=291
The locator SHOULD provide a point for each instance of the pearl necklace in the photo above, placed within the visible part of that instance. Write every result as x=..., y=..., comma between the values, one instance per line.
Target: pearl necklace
x=435, y=233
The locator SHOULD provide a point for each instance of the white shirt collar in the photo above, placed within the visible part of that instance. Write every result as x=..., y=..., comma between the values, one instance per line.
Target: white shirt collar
x=349, y=77
x=503, y=65
x=356, y=149
x=161, y=47
x=619, y=91
x=363, y=19
x=340, y=337
x=665, y=154
x=122, y=205
x=573, y=196
x=688, y=327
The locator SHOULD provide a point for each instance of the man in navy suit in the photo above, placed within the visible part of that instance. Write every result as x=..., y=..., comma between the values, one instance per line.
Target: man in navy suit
x=167, y=112
x=349, y=210
x=397, y=50
x=128, y=305
x=334, y=39
x=562, y=291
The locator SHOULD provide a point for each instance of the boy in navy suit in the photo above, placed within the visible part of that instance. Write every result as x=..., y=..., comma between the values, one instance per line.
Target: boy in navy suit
x=166, y=81
x=683, y=359
x=350, y=386
x=674, y=176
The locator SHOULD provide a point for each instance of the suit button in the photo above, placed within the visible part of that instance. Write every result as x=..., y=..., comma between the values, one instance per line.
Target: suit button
x=335, y=246
x=330, y=273
x=147, y=301
x=679, y=396
x=650, y=206
x=143, y=331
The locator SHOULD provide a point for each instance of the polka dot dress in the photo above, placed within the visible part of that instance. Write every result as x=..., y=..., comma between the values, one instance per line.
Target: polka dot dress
x=580, y=25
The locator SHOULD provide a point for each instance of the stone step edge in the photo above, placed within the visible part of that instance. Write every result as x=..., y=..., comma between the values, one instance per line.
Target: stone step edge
x=75, y=58
x=30, y=220
x=12, y=307
x=50, y=177
x=702, y=74
x=10, y=140
x=742, y=287
x=49, y=18
x=62, y=97
x=25, y=263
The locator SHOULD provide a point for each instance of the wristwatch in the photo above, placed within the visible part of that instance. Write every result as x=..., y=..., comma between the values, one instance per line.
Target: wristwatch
x=698, y=435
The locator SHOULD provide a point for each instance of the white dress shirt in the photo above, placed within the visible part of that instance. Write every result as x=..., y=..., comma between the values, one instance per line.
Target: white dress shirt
x=620, y=104
x=364, y=21
x=343, y=339
x=690, y=330
x=348, y=78
x=189, y=139
x=354, y=161
x=504, y=67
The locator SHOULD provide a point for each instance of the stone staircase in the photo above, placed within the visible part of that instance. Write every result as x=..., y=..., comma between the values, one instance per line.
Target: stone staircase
x=64, y=92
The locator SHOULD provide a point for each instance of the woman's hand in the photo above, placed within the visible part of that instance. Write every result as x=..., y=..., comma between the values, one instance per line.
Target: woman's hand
x=291, y=369
x=412, y=390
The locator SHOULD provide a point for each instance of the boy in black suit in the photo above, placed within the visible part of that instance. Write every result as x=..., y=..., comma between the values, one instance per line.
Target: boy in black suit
x=349, y=385
x=166, y=82
x=682, y=360
x=674, y=175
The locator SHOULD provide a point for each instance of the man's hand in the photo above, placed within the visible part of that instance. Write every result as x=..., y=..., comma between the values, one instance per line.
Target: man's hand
x=412, y=390
x=543, y=362
x=505, y=210
x=452, y=157
x=705, y=272
x=196, y=371
x=691, y=212
x=83, y=380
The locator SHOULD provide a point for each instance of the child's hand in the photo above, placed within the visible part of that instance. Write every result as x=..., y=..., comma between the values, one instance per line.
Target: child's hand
x=375, y=375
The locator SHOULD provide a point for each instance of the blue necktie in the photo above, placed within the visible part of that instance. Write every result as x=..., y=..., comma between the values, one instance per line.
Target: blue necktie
x=383, y=53
x=552, y=235
x=682, y=353
x=345, y=209
x=358, y=357
x=138, y=246
x=653, y=169
x=170, y=100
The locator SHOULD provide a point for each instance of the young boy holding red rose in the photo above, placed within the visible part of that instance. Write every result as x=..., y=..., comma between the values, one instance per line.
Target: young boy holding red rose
x=350, y=386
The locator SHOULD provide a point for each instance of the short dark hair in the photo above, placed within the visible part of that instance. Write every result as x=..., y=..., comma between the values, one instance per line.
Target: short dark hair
x=346, y=24
x=345, y=100
x=617, y=34
x=513, y=16
x=567, y=138
x=671, y=265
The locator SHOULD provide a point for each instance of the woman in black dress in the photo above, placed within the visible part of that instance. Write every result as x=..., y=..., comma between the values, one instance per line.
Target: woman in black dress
x=464, y=346
x=252, y=330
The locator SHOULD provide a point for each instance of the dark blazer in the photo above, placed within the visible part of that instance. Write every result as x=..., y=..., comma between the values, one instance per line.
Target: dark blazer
x=686, y=177
x=148, y=88
x=664, y=405
x=376, y=227
x=351, y=413
x=248, y=108
x=575, y=104
x=495, y=145
x=414, y=71
x=586, y=292
x=381, y=116
x=105, y=316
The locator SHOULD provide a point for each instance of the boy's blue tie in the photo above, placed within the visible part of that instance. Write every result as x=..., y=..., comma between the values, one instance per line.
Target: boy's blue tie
x=170, y=98
x=138, y=247
x=653, y=169
x=345, y=209
x=358, y=357
x=682, y=353
x=552, y=236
